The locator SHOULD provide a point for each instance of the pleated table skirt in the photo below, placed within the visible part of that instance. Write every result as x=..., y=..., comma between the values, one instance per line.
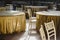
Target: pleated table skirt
x=11, y=24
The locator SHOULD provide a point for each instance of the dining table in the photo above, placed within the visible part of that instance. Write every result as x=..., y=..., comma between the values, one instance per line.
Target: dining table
x=3, y=8
x=36, y=8
x=12, y=21
x=48, y=16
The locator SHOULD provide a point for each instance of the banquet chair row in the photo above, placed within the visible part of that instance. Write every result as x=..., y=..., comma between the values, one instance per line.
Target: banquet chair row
x=50, y=31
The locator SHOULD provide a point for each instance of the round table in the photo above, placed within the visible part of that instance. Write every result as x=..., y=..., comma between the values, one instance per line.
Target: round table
x=12, y=21
x=44, y=16
x=36, y=9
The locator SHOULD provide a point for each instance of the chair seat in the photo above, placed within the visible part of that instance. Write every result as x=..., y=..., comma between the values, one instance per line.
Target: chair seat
x=33, y=20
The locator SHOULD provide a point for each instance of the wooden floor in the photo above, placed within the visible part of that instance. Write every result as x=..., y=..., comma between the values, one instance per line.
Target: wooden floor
x=23, y=35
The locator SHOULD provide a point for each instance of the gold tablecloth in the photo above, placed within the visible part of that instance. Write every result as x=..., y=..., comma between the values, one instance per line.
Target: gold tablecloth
x=42, y=18
x=12, y=23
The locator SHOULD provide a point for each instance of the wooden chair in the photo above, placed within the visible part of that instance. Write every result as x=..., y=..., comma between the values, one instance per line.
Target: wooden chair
x=31, y=19
x=42, y=33
x=30, y=15
x=50, y=29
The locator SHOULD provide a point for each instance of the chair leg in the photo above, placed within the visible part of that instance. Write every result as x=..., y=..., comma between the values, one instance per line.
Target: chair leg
x=55, y=37
x=29, y=27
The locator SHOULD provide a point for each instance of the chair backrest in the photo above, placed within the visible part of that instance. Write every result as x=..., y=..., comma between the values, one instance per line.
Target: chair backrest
x=29, y=12
x=42, y=33
x=50, y=29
